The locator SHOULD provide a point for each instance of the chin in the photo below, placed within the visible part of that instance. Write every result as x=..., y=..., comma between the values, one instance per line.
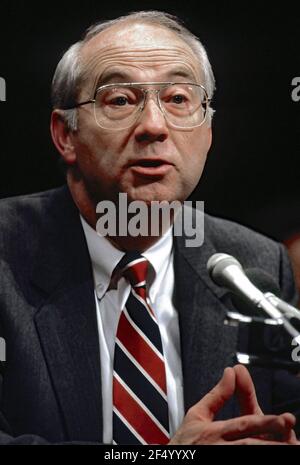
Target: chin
x=154, y=191
x=153, y=196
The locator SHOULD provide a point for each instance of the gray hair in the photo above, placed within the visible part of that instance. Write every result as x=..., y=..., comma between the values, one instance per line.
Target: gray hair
x=68, y=74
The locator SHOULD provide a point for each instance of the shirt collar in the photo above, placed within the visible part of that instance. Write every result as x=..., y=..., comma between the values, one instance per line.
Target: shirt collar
x=159, y=253
x=105, y=256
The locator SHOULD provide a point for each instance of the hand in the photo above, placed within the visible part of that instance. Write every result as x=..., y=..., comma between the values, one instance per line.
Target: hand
x=252, y=427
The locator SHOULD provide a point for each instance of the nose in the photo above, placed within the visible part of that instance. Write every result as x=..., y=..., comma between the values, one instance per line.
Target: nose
x=151, y=125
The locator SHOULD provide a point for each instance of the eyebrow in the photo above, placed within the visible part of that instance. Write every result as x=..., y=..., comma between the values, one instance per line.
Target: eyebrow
x=180, y=73
x=123, y=76
x=113, y=76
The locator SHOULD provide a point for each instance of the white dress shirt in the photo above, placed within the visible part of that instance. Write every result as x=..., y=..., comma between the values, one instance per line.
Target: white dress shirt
x=109, y=304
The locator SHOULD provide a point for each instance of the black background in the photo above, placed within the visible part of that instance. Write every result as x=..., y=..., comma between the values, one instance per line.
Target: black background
x=252, y=175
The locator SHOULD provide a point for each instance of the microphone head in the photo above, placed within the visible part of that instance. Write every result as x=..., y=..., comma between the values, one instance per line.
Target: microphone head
x=216, y=265
x=264, y=282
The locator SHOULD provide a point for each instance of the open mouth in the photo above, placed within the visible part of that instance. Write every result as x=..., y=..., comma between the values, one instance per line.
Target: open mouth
x=150, y=163
x=151, y=167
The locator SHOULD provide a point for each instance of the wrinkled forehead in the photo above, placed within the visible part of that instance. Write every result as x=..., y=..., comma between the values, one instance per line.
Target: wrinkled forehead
x=136, y=47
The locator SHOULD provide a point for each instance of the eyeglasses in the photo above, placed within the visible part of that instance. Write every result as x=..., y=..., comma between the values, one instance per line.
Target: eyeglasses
x=118, y=106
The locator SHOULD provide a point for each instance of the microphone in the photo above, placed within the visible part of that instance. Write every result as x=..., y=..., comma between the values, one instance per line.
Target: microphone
x=265, y=283
x=284, y=307
x=227, y=272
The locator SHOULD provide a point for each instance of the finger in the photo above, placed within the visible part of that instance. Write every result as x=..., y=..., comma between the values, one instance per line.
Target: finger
x=255, y=442
x=245, y=392
x=254, y=425
x=289, y=438
x=290, y=422
x=210, y=404
x=292, y=438
x=289, y=418
x=287, y=435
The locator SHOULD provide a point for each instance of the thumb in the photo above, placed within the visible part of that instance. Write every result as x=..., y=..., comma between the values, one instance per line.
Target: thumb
x=210, y=404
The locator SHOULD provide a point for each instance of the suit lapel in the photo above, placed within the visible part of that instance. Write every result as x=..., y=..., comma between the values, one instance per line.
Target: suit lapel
x=66, y=320
x=207, y=345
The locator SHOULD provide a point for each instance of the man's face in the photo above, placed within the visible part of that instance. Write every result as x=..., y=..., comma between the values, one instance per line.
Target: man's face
x=110, y=162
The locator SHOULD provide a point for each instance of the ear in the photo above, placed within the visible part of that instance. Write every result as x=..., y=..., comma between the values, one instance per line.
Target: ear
x=62, y=137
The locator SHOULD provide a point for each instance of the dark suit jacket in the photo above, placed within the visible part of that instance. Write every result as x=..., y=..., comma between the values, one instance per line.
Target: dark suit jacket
x=51, y=383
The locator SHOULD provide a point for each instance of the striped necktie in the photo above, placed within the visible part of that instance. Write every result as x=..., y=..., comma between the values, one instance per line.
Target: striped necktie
x=140, y=408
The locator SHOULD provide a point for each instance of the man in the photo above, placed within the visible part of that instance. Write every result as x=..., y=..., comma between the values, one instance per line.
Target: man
x=131, y=115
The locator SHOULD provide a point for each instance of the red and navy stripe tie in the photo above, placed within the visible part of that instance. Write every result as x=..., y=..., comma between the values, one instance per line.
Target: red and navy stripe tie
x=140, y=408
